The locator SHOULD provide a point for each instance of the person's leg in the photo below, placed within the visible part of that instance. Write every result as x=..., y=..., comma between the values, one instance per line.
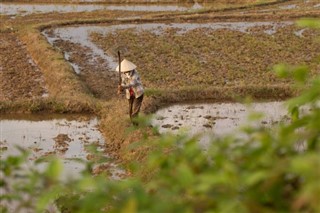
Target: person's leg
x=131, y=100
x=136, y=106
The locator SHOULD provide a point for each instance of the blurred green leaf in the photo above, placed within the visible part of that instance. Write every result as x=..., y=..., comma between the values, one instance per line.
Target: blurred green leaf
x=300, y=73
x=281, y=70
x=255, y=177
x=47, y=198
x=295, y=113
x=130, y=206
x=185, y=175
x=260, y=171
x=309, y=22
x=54, y=169
x=255, y=116
x=87, y=183
x=307, y=164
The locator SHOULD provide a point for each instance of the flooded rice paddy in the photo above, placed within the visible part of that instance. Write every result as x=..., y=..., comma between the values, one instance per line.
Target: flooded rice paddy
x=81, y=35
x=214, y=120
x=225, y=53
x=220, y=118
x=23, y=9
x=67, y=137
x=11, y=9
x=217, y=119
x=21, y=77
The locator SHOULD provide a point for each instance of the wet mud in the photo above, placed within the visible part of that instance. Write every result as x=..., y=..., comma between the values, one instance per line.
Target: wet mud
x=95, y=73
x=67, y=137
x=19, y=78
x=23, y=9
x=219, y=119
x=206, y=54
x=214, y=57
x=220, y=77
x=11, y=9
x=179, y=51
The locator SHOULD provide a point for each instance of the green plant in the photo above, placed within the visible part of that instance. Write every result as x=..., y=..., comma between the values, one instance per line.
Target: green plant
x=265, y=171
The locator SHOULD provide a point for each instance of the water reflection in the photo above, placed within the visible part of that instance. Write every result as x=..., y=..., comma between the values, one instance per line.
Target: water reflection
x=27, y=9
x=216, y=119
x=66, y=137
x=81, y=34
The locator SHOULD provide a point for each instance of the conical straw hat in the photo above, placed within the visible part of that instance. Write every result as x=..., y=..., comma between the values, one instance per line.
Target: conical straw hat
x=126, y=66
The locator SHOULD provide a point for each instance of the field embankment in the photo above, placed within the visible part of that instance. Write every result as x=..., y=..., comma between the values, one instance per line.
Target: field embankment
x=142, y=1
x=196, y=65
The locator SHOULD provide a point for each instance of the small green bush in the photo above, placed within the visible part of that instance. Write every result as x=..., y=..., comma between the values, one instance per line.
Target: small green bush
x=273, y=169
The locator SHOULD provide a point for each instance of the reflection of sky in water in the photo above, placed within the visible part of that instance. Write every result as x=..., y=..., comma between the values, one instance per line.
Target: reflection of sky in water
x=217, y=119
x=26, y=9
x=38, y=137
x=81, y=35
x=288, y=7
x=227, y=116
x=41, y=134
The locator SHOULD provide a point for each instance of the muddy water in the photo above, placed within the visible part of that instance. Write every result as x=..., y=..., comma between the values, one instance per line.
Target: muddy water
x=27, y=9
x=307, y=4
x=288, y=7
x=81, y=34
x=66, y=137
x=217, y=119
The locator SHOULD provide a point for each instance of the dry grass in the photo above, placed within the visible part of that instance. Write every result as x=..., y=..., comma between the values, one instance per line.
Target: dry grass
x=60, y=77
x=66, y=92
x=203, y=59
x=144, y=1
x=20, y=74
x=168, y=63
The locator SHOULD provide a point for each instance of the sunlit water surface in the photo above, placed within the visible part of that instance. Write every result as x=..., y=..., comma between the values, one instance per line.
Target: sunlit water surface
x=218, y=119
x=66, y=137
x=22, y=9
x=81, y=35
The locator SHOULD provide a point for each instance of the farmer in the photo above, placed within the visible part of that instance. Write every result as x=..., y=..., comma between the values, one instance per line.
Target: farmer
x=130, y=81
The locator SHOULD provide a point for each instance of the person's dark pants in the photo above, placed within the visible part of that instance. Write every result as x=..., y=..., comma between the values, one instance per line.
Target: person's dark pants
x=134, y=106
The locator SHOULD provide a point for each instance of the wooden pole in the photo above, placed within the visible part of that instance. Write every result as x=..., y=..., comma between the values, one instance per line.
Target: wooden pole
x=119, y=67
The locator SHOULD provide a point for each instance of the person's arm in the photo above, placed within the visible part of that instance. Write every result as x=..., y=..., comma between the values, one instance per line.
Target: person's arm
x=122, y=86
x=135, y=81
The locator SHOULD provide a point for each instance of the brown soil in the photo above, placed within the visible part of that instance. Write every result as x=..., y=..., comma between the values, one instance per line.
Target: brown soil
x=20, y=77
x=101, y=83
x=20, y=44
x=61, y=143
x=138, y=1
x=94, y=89
x=204, y=58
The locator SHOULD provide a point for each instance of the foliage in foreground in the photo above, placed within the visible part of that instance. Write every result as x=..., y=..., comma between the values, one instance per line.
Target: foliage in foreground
x=273, y=169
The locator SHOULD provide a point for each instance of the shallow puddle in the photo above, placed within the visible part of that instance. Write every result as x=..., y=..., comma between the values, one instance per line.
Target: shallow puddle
x=289, y=7
x=27, y=9
x=66, y=137
x=81, y=34
x=217, y=119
